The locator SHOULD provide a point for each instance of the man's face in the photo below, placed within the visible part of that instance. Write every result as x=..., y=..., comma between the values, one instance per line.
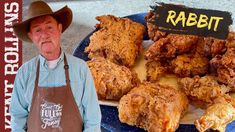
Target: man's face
x=45, y=32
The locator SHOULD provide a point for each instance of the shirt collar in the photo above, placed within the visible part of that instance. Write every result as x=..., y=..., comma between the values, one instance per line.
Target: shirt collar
x=43, y=61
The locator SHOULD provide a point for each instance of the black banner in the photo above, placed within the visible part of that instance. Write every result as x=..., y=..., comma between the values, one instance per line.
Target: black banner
x=183, y=20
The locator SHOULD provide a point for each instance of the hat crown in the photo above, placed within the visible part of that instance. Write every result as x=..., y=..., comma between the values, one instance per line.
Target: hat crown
x=39, y=8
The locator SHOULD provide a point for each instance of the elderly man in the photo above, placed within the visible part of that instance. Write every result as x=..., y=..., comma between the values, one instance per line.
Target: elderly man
x=54, y=91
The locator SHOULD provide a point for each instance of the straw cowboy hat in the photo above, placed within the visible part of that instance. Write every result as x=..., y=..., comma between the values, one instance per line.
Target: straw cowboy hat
x=40, y=8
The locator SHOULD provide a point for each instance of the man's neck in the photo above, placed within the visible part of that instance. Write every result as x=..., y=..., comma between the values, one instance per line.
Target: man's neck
x=52, y=64
x=52, y=56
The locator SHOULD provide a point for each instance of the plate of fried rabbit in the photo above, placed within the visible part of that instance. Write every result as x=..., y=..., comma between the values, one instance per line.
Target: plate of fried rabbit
x=159, y=81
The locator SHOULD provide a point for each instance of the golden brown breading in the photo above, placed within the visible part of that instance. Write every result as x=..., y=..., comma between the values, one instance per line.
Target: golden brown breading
x=111, y=81
x=227, y=76
x=151, y=106
x=155, y=70
x=205, y=89
x=160, y=49
x=226, y=98
x=216, y=117
x=209, y=47
x=225, y=66
x=170, y=46
x=199, y=47
x=214, y=46
x=153, y=32
x=230, y=41
x=118, y=39
x=189, y=65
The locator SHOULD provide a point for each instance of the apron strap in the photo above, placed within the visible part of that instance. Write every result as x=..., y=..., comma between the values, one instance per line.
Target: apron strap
x=35, y=85
x=66, y=68
x=37, y=74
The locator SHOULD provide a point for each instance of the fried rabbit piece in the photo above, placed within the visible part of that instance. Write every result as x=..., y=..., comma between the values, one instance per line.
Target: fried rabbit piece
x=225, y=67
x=118, y=39
x=170, y=46
x=151, y=106
x=189, y=65
x=214, y=46
x=111, y=80
x=204, y=89
x=210, y=47
x=225, y=99
x=230, y=41
x=217, y=116
x=156, y=69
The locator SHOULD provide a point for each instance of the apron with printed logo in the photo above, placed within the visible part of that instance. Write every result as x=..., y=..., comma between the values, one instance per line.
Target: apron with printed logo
x=54, y=109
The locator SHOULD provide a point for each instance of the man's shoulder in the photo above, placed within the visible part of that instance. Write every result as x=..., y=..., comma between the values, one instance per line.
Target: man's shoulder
x=74, y=59
x=77, y=64
x=29, y=65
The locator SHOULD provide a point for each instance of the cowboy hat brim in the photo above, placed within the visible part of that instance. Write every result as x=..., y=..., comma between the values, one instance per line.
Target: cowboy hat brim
x=63, y=16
